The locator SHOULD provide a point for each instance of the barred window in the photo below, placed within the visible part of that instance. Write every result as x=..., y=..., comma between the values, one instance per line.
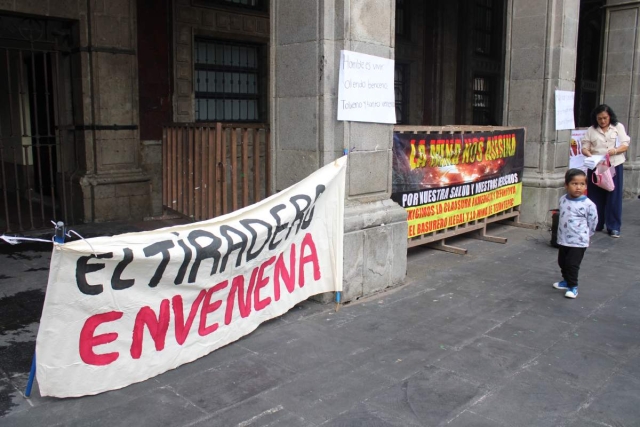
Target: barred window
x=227, y=82
x=483, y=101
x=402, y=23
x=484, y=16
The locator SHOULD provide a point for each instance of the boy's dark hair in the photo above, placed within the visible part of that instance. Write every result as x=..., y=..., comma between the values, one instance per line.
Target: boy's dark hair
x=599, y=109
x=571, y=173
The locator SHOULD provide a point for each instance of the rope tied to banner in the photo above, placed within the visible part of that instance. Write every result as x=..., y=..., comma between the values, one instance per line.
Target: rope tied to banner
x=15, y=240
x=59, y=234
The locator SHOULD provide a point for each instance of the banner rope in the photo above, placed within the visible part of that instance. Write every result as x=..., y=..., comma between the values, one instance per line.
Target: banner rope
x=14, y=240
x=83, y=239
x=59, y=232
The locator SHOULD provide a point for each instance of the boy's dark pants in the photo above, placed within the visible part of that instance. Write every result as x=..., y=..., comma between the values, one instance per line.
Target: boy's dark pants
x=569, y=260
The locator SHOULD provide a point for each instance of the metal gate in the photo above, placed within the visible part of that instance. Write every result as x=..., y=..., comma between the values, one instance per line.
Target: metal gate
x=36, y=147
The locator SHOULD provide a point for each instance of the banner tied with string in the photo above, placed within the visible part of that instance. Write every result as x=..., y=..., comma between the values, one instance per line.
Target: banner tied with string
x=122, y=309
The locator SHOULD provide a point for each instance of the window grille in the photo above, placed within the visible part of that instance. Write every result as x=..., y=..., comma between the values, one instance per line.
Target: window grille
x=402, y=27
x=227, y=82
x=484, y=27
x=482, y=102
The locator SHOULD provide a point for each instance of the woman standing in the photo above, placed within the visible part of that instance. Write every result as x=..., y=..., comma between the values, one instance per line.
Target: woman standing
x=607, y=136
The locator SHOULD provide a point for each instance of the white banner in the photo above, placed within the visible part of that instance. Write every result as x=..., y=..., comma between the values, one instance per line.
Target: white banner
x=366, y=92
x=122, y=309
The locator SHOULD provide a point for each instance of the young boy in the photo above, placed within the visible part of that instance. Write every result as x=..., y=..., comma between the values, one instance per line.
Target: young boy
x=576, y=224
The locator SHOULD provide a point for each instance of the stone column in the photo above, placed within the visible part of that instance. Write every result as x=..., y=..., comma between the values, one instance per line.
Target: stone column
x=307, y=37
x=114, y=186
x=620, y=81
x=541, y=39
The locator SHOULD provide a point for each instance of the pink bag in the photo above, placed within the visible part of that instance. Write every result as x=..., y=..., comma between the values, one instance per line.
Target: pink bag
x=602, y=176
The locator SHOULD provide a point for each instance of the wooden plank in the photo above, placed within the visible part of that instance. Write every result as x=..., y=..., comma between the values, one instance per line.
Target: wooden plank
x=180, y=171
x=165, y=165
x=211, y=182
x=442, y=246
x=256, y=166
x=481, y=234
x=218, y=180
x=245, y=168
x=267, y=162
x=223, y=172
x=441, y=235
x=205, y=161
x=197, y=178
x=234, y=168
x=174, y=169
x=189, y=194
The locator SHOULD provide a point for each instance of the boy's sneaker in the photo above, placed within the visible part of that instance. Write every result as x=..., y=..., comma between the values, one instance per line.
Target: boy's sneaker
x=572, y=293
x=562, y=285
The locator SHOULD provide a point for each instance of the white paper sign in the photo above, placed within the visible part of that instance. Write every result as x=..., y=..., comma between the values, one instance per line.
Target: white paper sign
x=366, y=91
x=564, y=110
x=576, y=158
x=122, y=309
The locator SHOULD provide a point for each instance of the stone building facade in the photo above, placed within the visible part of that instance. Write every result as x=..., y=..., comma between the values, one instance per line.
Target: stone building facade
x=125, y=68
x=587, y=46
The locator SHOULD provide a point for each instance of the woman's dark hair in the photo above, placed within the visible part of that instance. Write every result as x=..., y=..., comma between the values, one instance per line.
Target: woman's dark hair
x=599, y=109
x=571, y=173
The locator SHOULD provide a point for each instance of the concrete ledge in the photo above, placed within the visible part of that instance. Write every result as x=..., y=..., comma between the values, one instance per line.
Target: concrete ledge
x=549, y=180
x=360, y=216
x=114, y=178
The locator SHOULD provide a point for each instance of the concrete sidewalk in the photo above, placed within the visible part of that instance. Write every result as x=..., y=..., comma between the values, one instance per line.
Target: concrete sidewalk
x=475, y=340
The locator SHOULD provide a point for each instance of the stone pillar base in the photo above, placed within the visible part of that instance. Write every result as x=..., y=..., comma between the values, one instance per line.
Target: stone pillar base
x=116, y=196
x=631, y=179
x=540, y=194
x=151, y=162
x=375, y=248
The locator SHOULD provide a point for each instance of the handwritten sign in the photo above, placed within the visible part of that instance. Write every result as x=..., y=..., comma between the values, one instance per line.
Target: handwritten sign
x=564, y=110
x=366, y=91
x=123, y=309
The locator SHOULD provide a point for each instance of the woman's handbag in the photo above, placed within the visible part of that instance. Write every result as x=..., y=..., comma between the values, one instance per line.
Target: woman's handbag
x=602, y=176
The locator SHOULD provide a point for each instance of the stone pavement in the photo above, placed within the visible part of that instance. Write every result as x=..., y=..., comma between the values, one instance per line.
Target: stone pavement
x=475, y=340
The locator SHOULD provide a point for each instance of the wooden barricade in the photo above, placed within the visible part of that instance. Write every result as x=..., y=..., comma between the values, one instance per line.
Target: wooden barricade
x=476, y=228
x=210, y=169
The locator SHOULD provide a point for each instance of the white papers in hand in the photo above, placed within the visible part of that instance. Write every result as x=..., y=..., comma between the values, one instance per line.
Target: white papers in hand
x=592, y=161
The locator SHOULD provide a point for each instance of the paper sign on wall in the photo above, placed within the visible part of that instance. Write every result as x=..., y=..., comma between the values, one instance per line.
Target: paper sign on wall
x=366, y=91
x=564, y=110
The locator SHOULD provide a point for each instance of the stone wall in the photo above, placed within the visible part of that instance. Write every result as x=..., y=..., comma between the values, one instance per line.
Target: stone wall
x=620, y=82
x=105, y=105
x=541, y=57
